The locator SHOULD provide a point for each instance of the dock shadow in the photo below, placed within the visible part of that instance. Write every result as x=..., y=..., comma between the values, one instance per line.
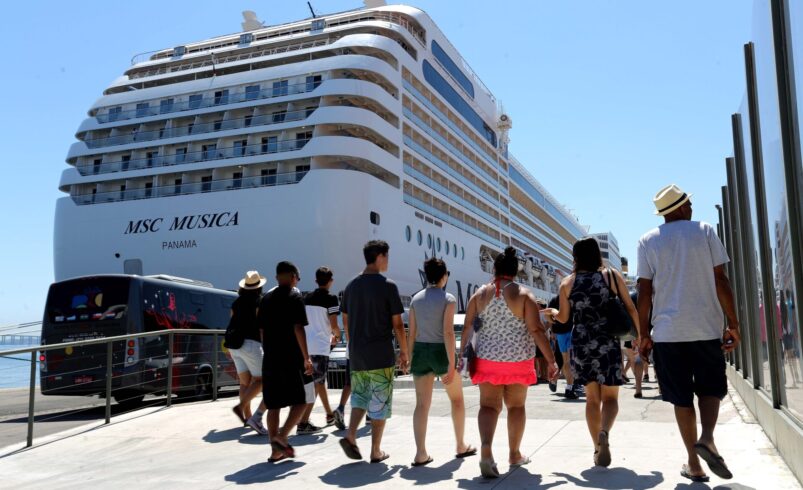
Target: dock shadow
x=265, y=472
x=520, y=477
x=359, y=474
x=426, y=475
x=614, y=479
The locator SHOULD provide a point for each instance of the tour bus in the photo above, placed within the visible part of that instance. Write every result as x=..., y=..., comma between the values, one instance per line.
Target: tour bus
x=101, y=306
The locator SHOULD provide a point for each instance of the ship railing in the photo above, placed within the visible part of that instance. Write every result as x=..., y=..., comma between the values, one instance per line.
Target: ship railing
x=207, y=101
x=211, y=153
x=219, y=60
x=277, y=117
x=111, y=373
x=249, y=182
x=427, y=208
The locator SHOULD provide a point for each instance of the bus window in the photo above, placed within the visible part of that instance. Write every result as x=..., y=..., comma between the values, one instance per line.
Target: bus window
x=88, y=300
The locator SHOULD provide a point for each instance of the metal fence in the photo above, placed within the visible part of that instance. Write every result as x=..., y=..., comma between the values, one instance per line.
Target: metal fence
x=113, y=373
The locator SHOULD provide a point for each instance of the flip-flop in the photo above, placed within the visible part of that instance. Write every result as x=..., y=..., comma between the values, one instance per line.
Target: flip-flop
x=523, y=461
x=488, y=468
x=351, y=450
x=471, y=451
x=604, y=455
x=287, y=450
x=381, y=458
x=695, y=478
x=276, y=460
x=715, y=462
x=421, y=463
x=239, y=414
x=638, y=395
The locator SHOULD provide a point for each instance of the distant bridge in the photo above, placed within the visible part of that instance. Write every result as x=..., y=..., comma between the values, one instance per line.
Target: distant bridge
x=19, y=340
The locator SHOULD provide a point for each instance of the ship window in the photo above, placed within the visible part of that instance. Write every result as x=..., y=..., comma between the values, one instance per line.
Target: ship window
x=96, y=165
x=279, y=116
x=446, y=247
x=429, y=240
x=209, y=151
x=251, y=92
x=280, y=88
x=142, y=109
x=150, y=158
x=408, y=233
x=419, y=237
x=239, y=148
x=206, y=183
x=237, y=180
x=221, y=97
x=312, y=82
x=268, y=176
x=270, y=144
x=148, y=189
x=247, y=120
x=303, y=138
x=114, y=112
x=217, y=125
x=125, y=160
x=195, y=101
x=181, y=155
x=451, y=67
x=463, y=253
x=177, y=186
x=438, y=241
x=374, y=218
x=454, y=245
x=122, y=192
x=166, y=106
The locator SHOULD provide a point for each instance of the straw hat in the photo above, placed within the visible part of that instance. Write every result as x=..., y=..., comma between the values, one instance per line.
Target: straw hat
x=252, y=280
x=669, y=199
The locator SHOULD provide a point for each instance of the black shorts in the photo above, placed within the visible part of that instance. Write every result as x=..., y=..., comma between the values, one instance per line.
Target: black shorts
x=320, y=365
x=686, y=369
x=347, y=381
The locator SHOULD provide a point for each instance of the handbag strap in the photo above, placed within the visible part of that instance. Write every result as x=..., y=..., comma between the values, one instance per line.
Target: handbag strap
x=612, y=284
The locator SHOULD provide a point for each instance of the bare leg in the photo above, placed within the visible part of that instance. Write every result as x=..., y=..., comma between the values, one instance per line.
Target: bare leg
x=593, y=410
x=629, y=364
x=515, y=396
x=354, y=423
x=423, y=400
x=490, y=406
x=687, y=424
x=610, y=407
x=567, y=370
x=344, y=395
x=323, y=395
x=454, y=391
x=709, y=412
x=307, y=412
x=254, y=389
x=273, y=428
x=377, y=428
x=245, y=382
x=638, y=372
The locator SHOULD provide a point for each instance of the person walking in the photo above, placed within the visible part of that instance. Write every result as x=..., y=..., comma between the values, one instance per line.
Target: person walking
x=322, y=309
x=596, y=357
x=372, y=312
x=682, y=279
x=432, y=349
x=286, y=367
x=509, y=329
x=244, y=342
x=634, y=359
x=563, y=334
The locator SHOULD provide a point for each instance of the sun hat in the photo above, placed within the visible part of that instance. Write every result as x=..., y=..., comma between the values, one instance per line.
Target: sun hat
x=669, y=199
x=252, y=280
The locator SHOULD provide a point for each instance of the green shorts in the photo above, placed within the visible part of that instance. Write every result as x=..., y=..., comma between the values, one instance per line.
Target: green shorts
x=372, y=391
x=429, y=358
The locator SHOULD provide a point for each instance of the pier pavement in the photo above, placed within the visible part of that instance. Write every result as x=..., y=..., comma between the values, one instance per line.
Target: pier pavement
x=200, y=446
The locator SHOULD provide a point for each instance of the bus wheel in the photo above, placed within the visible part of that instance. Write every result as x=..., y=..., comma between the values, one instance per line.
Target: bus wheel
x=128, y=399
x=203, y=385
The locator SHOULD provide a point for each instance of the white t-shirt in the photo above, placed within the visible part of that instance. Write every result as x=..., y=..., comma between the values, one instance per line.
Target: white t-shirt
x=679, y=258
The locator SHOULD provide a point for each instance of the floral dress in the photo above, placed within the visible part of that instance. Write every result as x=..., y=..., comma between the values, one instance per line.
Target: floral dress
x=596, y=357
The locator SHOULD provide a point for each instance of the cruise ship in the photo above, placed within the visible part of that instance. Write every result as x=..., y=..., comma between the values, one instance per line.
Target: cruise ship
x=301, y=142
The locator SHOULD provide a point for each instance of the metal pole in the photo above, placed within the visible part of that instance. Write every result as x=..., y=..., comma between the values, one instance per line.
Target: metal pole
x=214, y=367
x=31, y=394
x=738, y=265
x=765, y=244
x=169, y=367
x=727, y=240
x=109, y=360
x=748, y=252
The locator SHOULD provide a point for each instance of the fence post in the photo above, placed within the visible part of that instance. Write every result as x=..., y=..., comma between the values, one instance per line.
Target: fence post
x=31, y=395
x=169, y=367
x=214, y=367
x=109, y=361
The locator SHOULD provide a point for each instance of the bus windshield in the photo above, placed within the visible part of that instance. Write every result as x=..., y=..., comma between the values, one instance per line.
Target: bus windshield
x=90, y=299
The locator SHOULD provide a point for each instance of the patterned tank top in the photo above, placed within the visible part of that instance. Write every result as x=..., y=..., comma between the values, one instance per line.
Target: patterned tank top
x=503, y=336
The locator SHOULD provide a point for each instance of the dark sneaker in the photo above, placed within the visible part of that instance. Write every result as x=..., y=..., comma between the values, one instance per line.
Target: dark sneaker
x=579, y=390
x=307, y=428
x=339, y=422
x=553, y=387
x=570, y=394
x=368, y=421
x=330, y=420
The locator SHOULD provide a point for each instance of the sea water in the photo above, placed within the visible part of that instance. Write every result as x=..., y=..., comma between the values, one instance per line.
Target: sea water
x=15, y=370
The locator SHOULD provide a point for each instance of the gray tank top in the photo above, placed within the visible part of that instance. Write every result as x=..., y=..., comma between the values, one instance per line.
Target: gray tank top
x=429, y=306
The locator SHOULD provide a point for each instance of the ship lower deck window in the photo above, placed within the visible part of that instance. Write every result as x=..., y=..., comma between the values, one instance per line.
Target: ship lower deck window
x=270, y=144
x=166, y=106
x=142, y=109
x=150, y=158
x=126, y=159
x=268, y=176
x=195, y=101
x=181, y=155
x=239, y=148
x=374, y=218
x=419, y=237
x=252, y=92
x=114, y=113
x=312, y=82
x=96, y=165
x=438, y=241
x=429, y=240
x=206, y=183
x=221, y=97
x=280, y=88
x=148, y=189
x=237, y=180
x=301, y=171
x=408, y=233
x=177, y=186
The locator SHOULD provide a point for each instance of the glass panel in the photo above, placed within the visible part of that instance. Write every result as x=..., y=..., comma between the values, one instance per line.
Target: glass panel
x=452, y=68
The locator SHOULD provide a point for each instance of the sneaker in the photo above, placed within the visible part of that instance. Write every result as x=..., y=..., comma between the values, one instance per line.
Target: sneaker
x=570, y=394
x=625, y=379
x=368, y=421
x=256, y=424
x=553, y=387
x=579, y=390
x=330, y=420
x=339, y=422
x=306, y=428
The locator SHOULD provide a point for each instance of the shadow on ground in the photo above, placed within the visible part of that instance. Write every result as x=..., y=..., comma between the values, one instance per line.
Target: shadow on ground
x=265, y=472
x=614, y=479
x=360, y=474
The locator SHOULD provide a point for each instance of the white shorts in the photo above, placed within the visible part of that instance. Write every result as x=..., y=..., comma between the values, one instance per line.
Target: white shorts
x=248, y=358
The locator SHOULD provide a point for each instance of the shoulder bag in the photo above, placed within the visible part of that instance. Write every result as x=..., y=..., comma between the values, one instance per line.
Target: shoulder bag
x=619, y=322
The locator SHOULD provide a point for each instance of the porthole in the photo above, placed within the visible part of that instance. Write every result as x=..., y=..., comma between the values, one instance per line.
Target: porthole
x=408, y=233
x=438, y=241
x=463, y=253
x=454, y=245
x=429, y=240
x=420, y=237
x=446, y=247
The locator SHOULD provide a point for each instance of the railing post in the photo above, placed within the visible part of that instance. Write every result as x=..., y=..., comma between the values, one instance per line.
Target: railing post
x=108, y=382
x=215, y=338
x=169, y=367
x=31, y=394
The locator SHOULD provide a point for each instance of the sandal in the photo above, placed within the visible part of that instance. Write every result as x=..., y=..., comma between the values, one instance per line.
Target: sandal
x=351, y=450
x=422, y=463
x=287, y=450
x=488, y=468
x=521, y=462
x=239, y=414
x=276, y=460
x=685, y=473
x=715, y=462
x=381, y=458
x=471, y=451
x=603, y=458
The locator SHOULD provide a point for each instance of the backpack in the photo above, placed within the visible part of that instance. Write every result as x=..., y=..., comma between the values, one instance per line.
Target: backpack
x=234, y=338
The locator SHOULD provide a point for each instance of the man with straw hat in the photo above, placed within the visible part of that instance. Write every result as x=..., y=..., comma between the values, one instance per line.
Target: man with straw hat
x=682, y=280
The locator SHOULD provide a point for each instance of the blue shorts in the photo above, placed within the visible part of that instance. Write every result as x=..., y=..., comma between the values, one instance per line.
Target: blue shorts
x=564, y=341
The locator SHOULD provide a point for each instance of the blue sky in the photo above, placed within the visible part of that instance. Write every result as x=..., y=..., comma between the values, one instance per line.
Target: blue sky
x=610, y=99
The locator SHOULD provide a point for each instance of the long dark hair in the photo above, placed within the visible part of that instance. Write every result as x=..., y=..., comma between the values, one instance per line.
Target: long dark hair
x=506, y=263
x=249, y=296
x=587, y=256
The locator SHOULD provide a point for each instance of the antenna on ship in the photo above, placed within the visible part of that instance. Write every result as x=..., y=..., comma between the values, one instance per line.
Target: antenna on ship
x=311, y=11
x=504, y=124
x=250, y=21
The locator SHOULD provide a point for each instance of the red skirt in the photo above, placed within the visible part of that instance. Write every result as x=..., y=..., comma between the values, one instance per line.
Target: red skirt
x=505, y=373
